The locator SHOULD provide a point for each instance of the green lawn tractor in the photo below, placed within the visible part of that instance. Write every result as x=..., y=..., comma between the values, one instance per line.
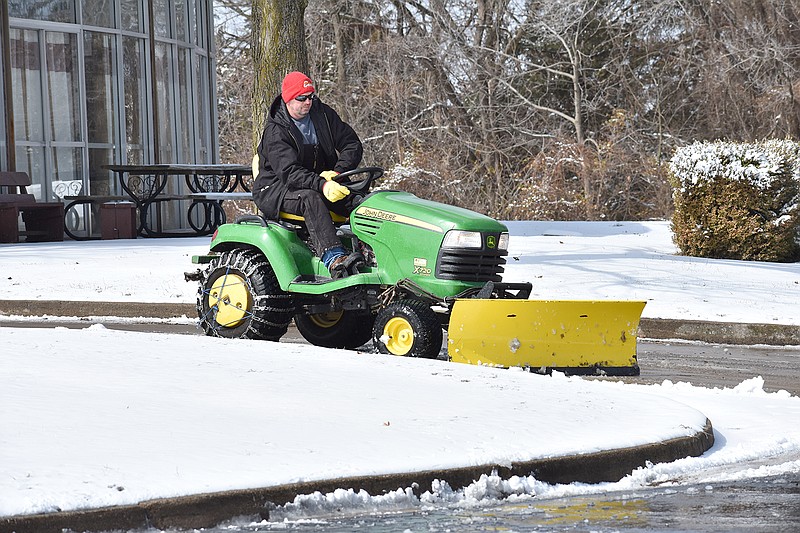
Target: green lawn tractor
x=427, y=267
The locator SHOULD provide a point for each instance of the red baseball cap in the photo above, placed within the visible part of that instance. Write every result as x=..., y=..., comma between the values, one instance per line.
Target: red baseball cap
x=294, y=84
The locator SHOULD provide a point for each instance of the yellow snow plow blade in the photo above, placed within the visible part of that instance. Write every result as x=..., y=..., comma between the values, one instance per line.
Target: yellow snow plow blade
x=572, y=336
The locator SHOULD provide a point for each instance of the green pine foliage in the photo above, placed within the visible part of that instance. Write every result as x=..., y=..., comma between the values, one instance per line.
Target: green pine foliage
x=737, y=200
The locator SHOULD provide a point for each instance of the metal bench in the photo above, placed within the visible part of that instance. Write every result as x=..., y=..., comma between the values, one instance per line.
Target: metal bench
x=43, y=221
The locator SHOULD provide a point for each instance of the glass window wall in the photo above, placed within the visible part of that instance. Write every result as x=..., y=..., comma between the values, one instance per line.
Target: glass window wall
x=131, y=15
x=98, y=13
x=202, y=120
x=65, y=135
x=87, y=92
x=163, y=72
x=52, y=11
x=181, y=21
x=185, y=103
x=28, y=101
x=99, y=64
x=67, y=164
x=161, y=18
x=99, y=53
x=135, y=91
x=198, y=34
x=63, y=86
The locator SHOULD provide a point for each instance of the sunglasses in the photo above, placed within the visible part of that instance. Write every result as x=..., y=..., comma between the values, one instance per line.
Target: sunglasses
x=304, y=97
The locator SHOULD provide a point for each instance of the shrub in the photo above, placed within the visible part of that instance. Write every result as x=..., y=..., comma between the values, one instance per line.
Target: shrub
x=737, y=201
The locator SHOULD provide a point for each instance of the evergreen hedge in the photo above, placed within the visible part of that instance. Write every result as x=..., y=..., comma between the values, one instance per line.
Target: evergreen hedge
x=737, y=200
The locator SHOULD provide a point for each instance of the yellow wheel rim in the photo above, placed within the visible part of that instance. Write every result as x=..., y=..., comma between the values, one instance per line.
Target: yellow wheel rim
x=399, y=336
x=326, y=320
x=232, y=299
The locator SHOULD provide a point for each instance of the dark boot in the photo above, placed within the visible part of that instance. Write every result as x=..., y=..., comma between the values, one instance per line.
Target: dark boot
x=353, y=261
x=346, y=265
x=338, y=268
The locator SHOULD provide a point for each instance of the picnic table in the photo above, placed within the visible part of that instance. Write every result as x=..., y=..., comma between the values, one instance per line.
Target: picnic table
x=209, y=185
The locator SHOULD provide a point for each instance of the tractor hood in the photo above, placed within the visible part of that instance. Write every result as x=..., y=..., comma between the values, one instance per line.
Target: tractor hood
x=442, y=248
x=405, y=208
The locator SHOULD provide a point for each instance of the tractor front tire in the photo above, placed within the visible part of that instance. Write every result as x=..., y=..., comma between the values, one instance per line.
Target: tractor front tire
x=338, y=329
x=240, y=297
x=409, y=328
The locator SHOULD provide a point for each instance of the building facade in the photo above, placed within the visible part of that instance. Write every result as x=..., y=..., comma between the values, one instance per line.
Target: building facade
x=87, y=83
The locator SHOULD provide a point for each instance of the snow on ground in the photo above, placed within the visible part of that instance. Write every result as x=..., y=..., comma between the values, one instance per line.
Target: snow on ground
x=581, y=260
x=97, y=417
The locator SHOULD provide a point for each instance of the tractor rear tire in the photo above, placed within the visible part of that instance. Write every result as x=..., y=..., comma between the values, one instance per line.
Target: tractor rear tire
x=240, y=297
x=339, y=329
x=409, y=328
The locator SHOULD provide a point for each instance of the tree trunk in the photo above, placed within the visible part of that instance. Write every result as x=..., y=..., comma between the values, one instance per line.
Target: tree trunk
x=279, y=47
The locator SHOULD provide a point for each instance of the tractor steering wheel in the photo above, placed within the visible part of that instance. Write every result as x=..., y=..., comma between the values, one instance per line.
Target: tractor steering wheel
x=362, y=184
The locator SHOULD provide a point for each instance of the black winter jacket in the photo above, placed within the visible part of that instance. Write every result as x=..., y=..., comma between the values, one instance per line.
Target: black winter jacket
x=284, y=163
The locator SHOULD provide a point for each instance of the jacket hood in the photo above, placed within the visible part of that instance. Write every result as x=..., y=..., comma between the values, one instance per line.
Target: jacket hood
x=278, y=112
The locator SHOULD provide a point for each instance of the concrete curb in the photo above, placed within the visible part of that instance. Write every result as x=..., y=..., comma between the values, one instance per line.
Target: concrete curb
x=719, y=332
x=207, y=510
x=651, y=328
x=90, y=308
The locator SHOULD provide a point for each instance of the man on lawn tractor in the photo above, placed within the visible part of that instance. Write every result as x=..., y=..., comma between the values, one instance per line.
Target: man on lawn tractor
x=393, y=268
x=304, y=145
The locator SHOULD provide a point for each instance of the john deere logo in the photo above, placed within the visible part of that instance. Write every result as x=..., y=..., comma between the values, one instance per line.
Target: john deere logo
x=491, y=242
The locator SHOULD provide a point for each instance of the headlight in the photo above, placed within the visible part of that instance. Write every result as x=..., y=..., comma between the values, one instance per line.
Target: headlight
x=502, y=243
x=462, y=239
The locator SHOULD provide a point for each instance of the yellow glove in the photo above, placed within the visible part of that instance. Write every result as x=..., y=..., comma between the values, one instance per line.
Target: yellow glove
x=334, y=192
x=328, y=174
